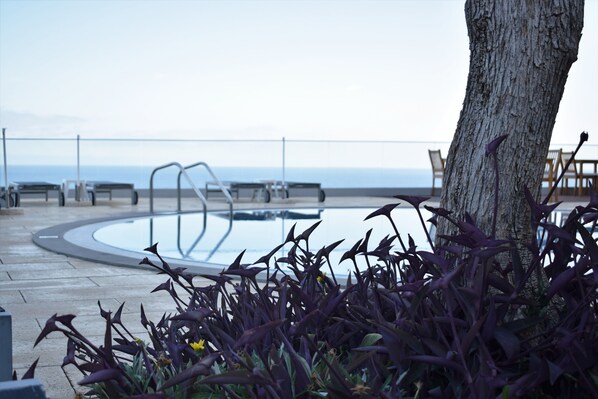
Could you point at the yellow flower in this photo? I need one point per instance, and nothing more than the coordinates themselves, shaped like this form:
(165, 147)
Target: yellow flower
(321, 278)
(198, 346)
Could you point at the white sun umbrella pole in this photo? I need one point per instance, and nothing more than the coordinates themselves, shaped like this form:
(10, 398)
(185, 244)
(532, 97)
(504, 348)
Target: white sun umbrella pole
(6, 192)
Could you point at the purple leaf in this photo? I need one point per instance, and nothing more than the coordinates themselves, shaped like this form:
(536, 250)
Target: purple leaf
(350, 254)
(305, 235)
(250, 272)
(554, 371)
(101, 376)
(193, 315)
(502, 284)
(49, 327)
(219, 279)
(415, 201)
(363, 248)
(384, 211)
(165, 286)
(557, 232)
(508, 341)
(434, 259)
(144, 321)
(436, 360)
(328, 249)
(30, 373)
(266, 258)
(493, 145)
(589, 242)
(153, 249)
(200, 368)
(66, 319)
(291, 235)
(117, 315)
(257, 333)
(146, 261)
(70, 353)
(237, 262)
(437, 211)
(560, 281)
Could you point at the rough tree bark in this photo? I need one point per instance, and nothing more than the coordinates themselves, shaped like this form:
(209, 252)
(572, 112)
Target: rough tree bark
(521, 53)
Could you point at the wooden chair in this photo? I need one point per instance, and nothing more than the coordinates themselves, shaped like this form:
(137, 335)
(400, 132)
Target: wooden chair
(570, 173)
(437, 167)
(551, 169)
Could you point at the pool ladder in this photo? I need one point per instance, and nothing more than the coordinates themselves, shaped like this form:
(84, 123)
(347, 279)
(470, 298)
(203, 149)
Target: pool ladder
(183, 172)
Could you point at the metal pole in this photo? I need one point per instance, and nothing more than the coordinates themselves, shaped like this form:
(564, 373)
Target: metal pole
(6, 192)
(283, 162)
(78, 176)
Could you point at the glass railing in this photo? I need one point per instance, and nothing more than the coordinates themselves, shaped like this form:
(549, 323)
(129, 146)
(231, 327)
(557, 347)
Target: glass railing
(333, 163)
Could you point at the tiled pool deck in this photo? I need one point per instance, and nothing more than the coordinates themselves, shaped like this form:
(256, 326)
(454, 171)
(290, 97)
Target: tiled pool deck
(35, 283)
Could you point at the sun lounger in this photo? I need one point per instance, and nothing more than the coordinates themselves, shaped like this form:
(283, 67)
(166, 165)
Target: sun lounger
(101, 187)
(36, 187)
(3, 202)
(283, 190)
(288, 186)
(259, 190)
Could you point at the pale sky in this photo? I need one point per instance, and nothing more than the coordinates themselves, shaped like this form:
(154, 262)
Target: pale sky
(389, 70)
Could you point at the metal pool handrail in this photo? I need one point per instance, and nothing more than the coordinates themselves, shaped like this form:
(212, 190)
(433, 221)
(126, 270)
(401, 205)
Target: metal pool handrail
(183, 172)
(227, 195)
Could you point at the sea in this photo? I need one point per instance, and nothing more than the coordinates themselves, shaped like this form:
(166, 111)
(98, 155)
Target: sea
(167, 178)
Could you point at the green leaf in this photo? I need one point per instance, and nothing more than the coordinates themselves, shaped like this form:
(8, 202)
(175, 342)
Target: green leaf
(370, 339)
(235, 377)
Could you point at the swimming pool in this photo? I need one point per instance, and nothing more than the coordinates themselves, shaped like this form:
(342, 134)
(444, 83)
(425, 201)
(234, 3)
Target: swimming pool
(213, 239)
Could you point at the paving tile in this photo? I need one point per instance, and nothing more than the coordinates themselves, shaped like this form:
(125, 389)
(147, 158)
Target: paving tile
(74, 376)
(45, 357)
(150, 280)
(54, 380)
(36, 266)
(9, 297)
(49, 351)
(22, 325)
(46, 309)
(41, 257)
(4, 276)
(71, 272)
(98, 269)
(45, 284)
(92, 292)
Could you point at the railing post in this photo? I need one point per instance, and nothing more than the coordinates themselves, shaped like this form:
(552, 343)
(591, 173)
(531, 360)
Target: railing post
(78, 161)
(284, 155)
(6, 185)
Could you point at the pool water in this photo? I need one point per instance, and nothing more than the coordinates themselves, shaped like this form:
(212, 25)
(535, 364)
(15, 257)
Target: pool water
(213, 238)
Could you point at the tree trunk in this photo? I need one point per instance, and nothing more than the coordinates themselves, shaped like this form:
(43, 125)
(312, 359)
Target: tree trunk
(521, 53)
